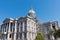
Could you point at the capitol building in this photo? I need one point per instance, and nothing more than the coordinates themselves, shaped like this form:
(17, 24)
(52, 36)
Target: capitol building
(26, 28)
(23, 28)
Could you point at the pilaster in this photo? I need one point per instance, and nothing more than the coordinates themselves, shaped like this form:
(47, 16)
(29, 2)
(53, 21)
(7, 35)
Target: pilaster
(9, 30)
(15, 29)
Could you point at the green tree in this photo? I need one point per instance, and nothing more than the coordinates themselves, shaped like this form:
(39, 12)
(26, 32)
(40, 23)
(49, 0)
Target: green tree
(39, 37)
(57, 33)
(0, 34)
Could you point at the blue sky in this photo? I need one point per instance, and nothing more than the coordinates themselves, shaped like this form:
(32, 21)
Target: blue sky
(46, 10)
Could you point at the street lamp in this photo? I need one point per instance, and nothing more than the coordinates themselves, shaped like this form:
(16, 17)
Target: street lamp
(5, 35)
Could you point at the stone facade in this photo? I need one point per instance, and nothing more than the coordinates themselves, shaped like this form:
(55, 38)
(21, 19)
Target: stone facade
(23, 28)
(46, 28)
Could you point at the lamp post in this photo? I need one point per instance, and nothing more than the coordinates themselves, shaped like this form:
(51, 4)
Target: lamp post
(5, 35)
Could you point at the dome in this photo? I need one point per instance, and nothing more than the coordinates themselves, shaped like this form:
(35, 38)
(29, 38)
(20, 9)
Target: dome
(31, 11)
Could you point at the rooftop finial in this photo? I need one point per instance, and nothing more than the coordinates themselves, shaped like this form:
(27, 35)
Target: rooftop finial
(31, 11)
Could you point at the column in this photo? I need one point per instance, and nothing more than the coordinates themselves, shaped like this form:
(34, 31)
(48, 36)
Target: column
(8, 31)
(51, 26)
(23, 26)
(15, 30)
(22, 36)
(19, 26)
(6, 27)
(28, 36)
(56, 26)
(23, 31)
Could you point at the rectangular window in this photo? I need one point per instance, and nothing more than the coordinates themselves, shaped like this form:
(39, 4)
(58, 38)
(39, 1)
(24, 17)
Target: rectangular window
(16, 36)
(5, 29)
(48, 36)
(10, 36)
(21, 28)
(25, 28)
(20, 35)
(17, 29)
(24, 35)
(11, 27)
(21, 23)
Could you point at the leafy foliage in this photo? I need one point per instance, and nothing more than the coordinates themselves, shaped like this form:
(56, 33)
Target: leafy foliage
(57, 33)
(39, 37)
